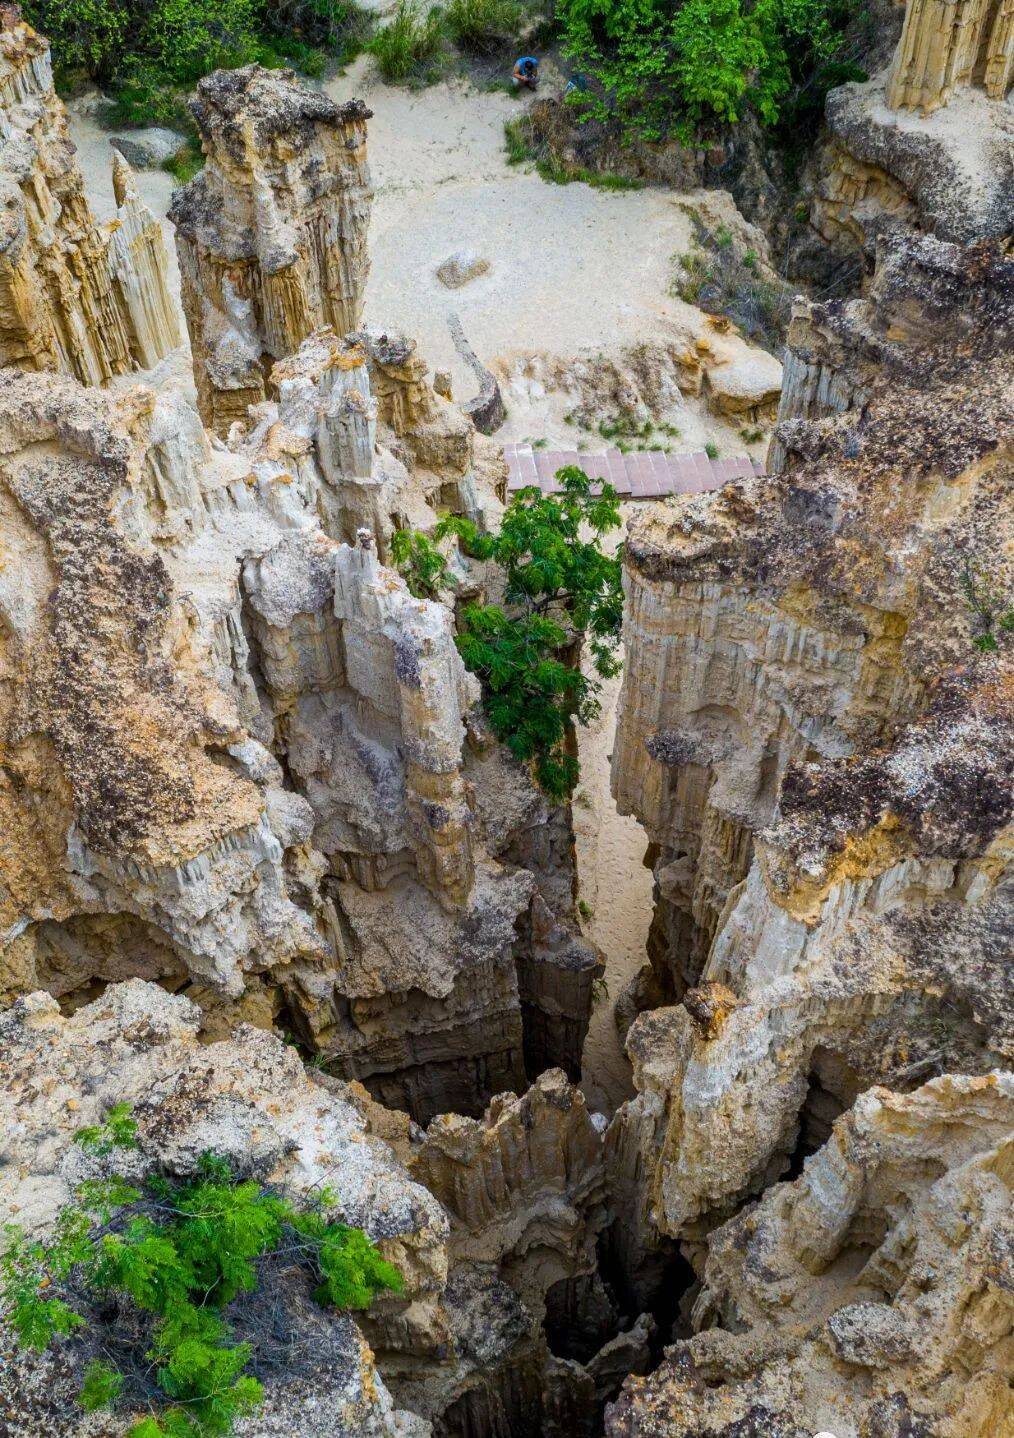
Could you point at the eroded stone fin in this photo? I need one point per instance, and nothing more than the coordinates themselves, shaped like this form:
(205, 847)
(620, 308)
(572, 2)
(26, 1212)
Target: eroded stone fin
(810, 696)
(857, 1289)
(87, 299)
(272, 233)
(946, 44)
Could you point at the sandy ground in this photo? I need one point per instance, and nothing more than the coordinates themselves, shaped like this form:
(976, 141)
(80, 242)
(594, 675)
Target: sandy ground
(572, 268)
(616, 887)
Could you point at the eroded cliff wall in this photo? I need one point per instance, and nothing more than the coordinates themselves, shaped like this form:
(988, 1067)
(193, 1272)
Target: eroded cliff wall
(235, 746)
(815, 730)
(88, 300)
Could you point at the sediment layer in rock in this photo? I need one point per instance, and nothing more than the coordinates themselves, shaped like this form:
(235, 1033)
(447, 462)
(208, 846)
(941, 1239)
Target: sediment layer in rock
(805, 716)
(88, 300)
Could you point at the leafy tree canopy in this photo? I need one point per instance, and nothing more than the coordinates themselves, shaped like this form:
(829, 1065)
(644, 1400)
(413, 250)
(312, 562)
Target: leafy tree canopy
(666, 66)
(559, 588)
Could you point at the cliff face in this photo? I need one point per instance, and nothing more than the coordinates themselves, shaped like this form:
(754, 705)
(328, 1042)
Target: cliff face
(804, 719)
(272, 232)
(84, 299)
(234, 744)
(926, 142)
(851, 1301)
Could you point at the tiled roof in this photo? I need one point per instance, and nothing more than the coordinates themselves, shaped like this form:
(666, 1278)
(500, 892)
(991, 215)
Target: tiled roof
(639, 474)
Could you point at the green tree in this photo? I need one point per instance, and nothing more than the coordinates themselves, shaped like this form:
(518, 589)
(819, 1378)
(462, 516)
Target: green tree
(667, 68)
(177, 1252)
(559, 591)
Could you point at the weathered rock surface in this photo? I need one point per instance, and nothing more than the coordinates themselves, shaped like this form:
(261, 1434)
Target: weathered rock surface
(272, 233)
(869, 1299)
(148, 149)
(926, 144)
(234, 744)
(88, 300)
(250, 1100)
(803, 720)
(944, 46)
(461, 267)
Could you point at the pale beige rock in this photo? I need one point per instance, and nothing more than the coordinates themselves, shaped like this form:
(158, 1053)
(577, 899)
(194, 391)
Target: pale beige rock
(249, 1100)
(85, 299)
(949, 43)
(926, 143)
(870, 1297)
(803, 715)
(272, 233)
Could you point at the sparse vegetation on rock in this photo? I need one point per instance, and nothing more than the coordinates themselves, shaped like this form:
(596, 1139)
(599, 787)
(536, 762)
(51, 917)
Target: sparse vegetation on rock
(143, 1271)
(558, 590)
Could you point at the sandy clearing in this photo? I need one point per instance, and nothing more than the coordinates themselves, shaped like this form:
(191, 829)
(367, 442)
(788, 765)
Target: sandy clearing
(573, 268)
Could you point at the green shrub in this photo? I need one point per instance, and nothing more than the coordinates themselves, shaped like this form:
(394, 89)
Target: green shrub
(411, 45)
(992, 616)
(666, 68)
(484, 27)
(147, 52)
(719, 279)
(184, 166)
(421, 563)
(518, 148)
(559, 590)
(149, 1273)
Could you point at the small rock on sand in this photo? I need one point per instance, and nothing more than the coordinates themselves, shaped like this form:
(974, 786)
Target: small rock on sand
(148, 149)
(462, 266)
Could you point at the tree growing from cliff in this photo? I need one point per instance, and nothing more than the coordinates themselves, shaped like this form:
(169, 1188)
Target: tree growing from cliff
(143, 1275)
(560, 590)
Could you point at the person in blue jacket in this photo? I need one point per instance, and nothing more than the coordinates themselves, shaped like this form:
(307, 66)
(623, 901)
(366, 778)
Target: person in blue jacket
(526, 72)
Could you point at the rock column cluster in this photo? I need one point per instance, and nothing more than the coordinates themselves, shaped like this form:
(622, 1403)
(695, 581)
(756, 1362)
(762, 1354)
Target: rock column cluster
(816, 731)
(75, 297)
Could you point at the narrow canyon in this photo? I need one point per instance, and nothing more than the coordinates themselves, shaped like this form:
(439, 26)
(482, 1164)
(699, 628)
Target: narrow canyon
(682, 1104)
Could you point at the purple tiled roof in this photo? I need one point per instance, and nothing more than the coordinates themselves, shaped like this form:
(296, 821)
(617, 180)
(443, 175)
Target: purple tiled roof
(639, 474)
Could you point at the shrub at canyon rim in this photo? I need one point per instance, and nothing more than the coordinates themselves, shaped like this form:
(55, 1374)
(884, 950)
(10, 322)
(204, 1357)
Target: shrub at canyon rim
(146, 52)
(143, 1275)
(558, 590)
(666, 68)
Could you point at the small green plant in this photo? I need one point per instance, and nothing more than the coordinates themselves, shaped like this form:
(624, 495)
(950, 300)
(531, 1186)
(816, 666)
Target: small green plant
(600, 990)
(176, 1254)
(584, 908)
(420, 563)
(117, 1130)
(992, 618)
(625, 426)
(711, 450)
(485, 27)
(519, 150)
(184, 166)
(751, 436)
(411, 45)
